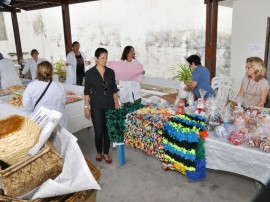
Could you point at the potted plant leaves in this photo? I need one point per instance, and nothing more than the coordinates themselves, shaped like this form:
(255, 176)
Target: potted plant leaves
(183, 74)
(59, 68)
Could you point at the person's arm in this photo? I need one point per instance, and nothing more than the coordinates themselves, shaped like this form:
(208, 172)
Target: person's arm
(26, 67)
(116, 101)
(190, 85)
(26, 100)
(115, 91)
(87, 110)
(264, 94)
(87, 87)
(241, 92)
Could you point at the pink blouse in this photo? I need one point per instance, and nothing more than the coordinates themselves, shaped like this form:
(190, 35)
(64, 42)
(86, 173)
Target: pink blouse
(252, 91)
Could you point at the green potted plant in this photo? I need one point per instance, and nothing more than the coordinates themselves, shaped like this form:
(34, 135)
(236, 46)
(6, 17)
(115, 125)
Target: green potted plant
(59, 68)
(184, 74)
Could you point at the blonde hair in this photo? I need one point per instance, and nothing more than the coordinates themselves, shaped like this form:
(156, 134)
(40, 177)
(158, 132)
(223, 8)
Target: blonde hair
(44, 71)
(258, 65)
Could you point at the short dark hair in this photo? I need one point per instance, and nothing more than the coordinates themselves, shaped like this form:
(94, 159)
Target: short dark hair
(99, 51)
(44, 71)
(194, 59)
(74, 43)
(34, 51)
(125, 52)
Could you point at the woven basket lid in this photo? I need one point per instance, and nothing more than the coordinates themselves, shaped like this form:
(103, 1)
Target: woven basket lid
(18, 135)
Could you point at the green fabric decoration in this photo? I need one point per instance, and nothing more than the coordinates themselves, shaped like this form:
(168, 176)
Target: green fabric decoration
(200, 151)
(115, 121)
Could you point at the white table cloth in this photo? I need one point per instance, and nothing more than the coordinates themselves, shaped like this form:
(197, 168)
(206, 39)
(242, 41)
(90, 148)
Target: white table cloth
(74, 111)
(243, 160)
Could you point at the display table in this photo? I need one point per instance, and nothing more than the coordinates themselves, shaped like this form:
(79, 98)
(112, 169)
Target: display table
(219, 154)
(74, 111)
(243, 160)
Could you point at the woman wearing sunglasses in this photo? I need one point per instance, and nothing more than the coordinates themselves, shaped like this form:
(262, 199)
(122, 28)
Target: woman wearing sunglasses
(100, 94)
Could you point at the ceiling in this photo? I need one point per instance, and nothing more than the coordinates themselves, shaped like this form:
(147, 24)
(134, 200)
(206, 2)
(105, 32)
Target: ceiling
(28, 5)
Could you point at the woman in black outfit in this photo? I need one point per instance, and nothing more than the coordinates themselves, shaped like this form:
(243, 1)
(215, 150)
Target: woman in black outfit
(100, 94)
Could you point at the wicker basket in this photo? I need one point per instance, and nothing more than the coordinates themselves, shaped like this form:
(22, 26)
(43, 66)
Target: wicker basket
(28, 174)
(82, 196)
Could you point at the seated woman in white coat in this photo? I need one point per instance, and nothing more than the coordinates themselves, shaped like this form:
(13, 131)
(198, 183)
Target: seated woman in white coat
(75, 65)
(8, 74)
(54, 97)
(31, 64)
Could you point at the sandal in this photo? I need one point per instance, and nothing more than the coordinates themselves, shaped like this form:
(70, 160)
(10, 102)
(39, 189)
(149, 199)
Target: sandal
(108, 159)
(99, 157)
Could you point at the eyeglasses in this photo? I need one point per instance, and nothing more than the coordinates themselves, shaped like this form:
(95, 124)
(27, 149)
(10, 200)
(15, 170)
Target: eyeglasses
(105, 87)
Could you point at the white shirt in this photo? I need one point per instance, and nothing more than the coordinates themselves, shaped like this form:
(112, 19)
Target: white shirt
(32, 65)
(130, 91)
(72, 68)
(8, 74)
(54, 98)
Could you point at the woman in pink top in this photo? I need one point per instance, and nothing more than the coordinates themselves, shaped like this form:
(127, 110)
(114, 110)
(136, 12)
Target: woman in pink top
(254, 88)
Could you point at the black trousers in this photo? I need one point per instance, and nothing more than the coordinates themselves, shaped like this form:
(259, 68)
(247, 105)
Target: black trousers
(101, 133)
(79, 80)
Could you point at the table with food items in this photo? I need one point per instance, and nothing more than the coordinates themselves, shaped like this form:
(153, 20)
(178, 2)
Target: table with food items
(187, 135)
(11, 103)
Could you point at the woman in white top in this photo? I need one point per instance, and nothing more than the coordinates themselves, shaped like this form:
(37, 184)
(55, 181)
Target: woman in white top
(32, 63)
(75, 65)
(54, 98)
(8, 74)
(130, 91)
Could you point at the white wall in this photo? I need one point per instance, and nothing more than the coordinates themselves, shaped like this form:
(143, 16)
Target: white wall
(248, 30)
(163, 32)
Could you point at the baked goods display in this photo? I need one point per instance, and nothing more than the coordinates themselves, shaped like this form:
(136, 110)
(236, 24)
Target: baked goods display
(73, 98)
(15, 88)
(4, 92)
(69, 92)
(15, 101)
(18, 135)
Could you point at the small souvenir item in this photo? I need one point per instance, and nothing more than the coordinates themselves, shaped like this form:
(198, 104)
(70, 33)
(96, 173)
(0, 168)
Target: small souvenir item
(200, 107)
(213, 121)
(265, 144)
(238, 137)
(221, 132)
(180, 107)
(254, 141)
(264, 112)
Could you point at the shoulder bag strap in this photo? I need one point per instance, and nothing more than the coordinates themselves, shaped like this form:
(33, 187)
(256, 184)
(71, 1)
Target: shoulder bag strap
(42, 94)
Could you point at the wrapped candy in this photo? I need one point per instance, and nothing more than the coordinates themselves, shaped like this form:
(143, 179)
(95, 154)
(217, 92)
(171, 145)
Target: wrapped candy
(265, 144)
(254, 141)
(223, 131)
(237, 138)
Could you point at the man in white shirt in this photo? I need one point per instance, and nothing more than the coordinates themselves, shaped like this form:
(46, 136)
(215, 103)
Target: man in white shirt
(8, 74)
(32, 63)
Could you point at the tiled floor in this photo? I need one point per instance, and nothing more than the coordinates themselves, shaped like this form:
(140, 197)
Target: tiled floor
(142, 179)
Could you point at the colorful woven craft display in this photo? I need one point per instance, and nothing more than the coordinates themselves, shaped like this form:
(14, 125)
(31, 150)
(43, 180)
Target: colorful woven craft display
(115, 121)
(144, 129)
(183, 139)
